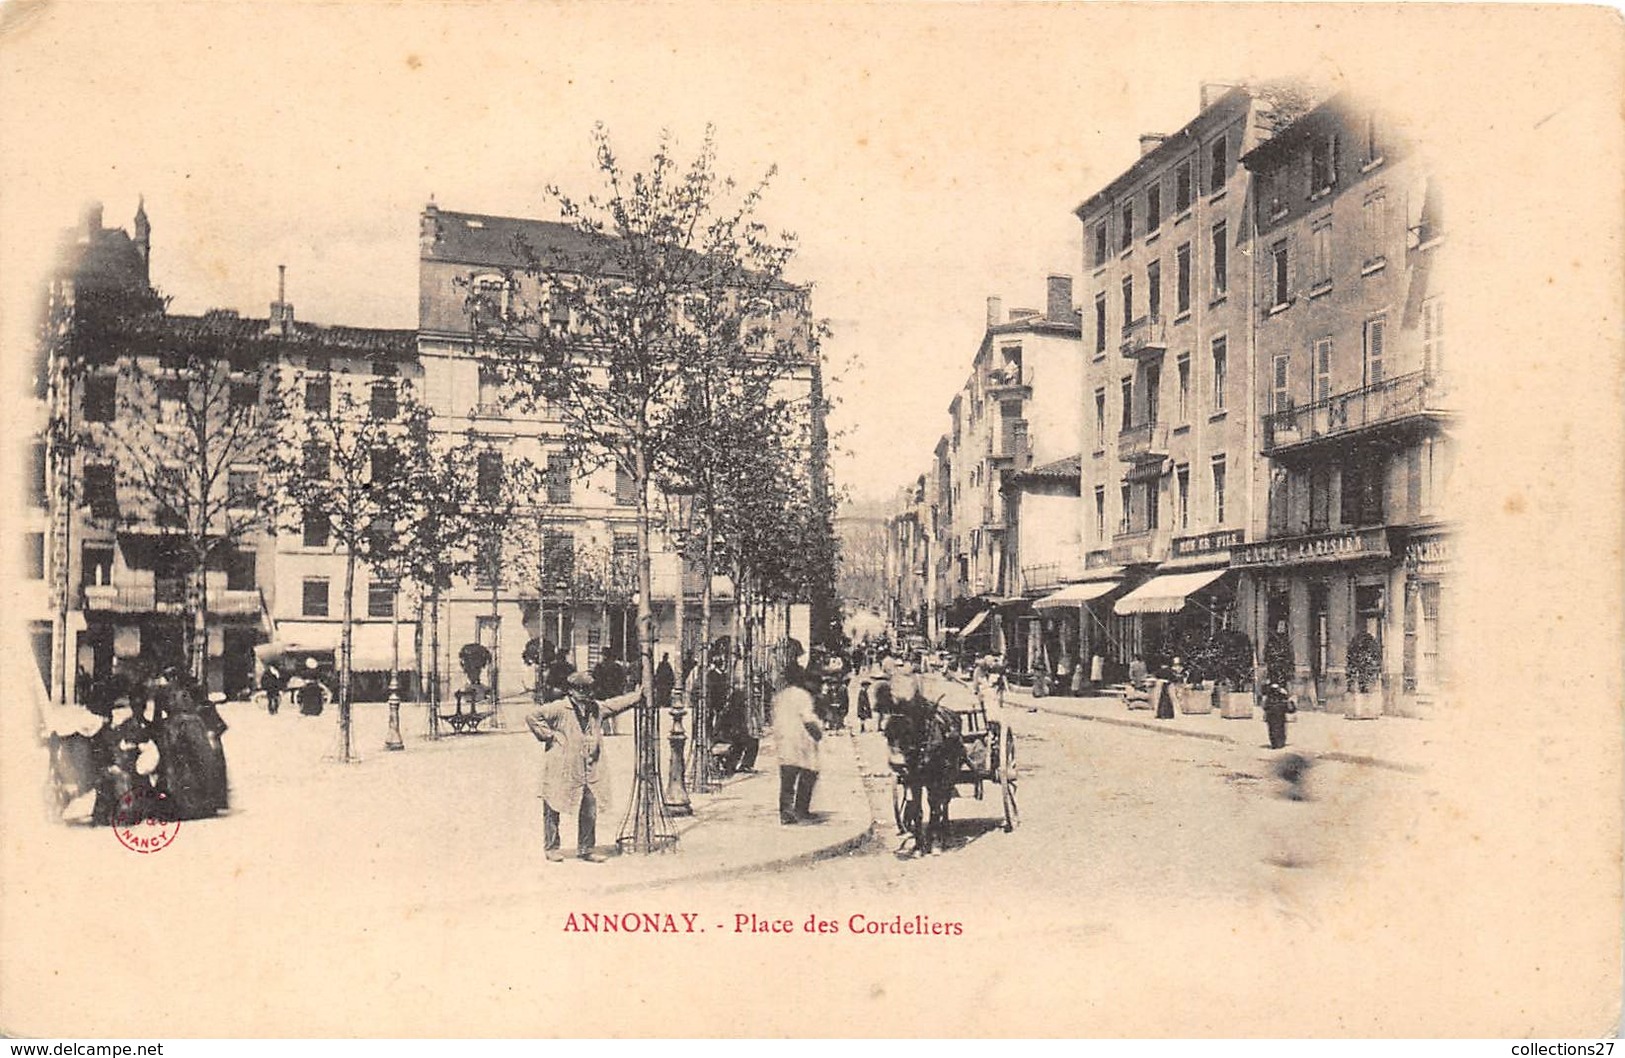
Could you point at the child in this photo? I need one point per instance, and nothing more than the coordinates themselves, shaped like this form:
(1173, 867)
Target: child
(865, 710)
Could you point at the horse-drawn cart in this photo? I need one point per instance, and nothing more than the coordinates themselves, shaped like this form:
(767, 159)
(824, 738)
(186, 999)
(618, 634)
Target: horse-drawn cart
(978, 748)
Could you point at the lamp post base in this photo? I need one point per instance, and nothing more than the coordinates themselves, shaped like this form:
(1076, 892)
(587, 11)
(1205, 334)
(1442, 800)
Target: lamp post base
(393, 740)
(676, 795)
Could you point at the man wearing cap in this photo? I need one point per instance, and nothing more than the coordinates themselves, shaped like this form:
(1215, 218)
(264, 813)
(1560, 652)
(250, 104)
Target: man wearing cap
(571, 729)
(797, 731)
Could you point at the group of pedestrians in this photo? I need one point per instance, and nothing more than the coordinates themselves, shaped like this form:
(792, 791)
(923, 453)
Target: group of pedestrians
(154, 741)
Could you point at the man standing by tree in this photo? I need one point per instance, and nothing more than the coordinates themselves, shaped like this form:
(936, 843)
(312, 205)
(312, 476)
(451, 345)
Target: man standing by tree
(572, 781)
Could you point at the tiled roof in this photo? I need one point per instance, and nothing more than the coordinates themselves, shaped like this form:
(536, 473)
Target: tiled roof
(1070, 467)
(487, 239)
(481, 238)
(257, 335)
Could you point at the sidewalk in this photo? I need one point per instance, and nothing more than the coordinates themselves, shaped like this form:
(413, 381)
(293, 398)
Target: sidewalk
(1390, 742)
(459, 818)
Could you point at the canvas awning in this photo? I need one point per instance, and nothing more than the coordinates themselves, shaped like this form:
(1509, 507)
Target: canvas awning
(371, 645)
(1167, 593)
(1075, 595)
(974, 624)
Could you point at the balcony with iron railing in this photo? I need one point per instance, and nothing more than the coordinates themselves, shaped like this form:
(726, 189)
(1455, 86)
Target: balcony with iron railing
(1145, 338)
(167, 596)
(1143, 443)
(1391, 406)
(1009, 381)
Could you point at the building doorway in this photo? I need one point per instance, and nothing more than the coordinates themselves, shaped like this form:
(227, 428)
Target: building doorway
(237, 661)
(1320, 636)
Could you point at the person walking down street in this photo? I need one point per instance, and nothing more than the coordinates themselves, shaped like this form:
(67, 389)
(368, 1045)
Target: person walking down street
(1277, 703)
(797, 731)
(665, 682)
(271, 684)
(310, 691)
(866, 711)
(572, 777)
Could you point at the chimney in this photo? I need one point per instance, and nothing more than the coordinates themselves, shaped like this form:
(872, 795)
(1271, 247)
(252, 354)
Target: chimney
(1059, 303)
(281, 321)
(1150, 141)
(92, 221)
(995, 311)
(1212, 90)
(429, 228)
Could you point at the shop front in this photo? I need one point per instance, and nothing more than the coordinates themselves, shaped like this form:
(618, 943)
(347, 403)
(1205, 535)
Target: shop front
(1074, 626)
(1428, 557)
(1178, 609)
(1331, 598)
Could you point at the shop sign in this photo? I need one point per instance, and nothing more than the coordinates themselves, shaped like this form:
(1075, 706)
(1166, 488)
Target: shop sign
(1097, 560)
(1326, 547)
(1207, 543)
(1429, 554)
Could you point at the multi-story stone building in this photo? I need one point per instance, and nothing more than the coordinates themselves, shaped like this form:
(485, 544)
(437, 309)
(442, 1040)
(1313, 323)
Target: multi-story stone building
(1015, 410)
(1352, 383)
(587, 519)
(1169, 434)
(116, 579)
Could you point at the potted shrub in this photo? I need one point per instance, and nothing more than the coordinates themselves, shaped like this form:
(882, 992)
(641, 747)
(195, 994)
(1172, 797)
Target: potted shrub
(1191, 694)
(1364, 677)
(1233, 674)
(1279, 662)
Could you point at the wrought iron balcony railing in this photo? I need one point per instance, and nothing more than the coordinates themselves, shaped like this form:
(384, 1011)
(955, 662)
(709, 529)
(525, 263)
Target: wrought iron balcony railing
(1143, 443)
(1145, 337)
(1392, 401)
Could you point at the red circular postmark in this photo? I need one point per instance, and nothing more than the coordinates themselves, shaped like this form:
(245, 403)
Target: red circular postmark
(145, 822)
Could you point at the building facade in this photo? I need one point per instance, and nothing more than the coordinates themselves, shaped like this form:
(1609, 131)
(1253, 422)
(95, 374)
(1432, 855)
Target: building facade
(585, 605)
(1169, 430)
(108, 554)
(1014, 411)
(1354, 395)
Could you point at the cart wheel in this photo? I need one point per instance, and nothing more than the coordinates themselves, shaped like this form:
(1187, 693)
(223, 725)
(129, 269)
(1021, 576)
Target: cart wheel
(1007, 779)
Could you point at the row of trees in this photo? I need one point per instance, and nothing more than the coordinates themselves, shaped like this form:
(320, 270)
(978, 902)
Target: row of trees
(674, 370)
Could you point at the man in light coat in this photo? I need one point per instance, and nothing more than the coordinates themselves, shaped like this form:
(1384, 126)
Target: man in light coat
(572, 781)
(797, 731)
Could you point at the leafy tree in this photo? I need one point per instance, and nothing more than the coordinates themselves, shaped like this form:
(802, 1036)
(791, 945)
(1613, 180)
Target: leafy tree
(671, 263)
(351, 469)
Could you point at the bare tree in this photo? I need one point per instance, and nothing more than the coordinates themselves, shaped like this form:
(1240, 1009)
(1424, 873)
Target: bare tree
(179, 423)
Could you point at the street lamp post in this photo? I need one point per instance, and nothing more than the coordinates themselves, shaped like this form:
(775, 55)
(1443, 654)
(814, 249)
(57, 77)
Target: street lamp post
(676, 794)
(394, 739)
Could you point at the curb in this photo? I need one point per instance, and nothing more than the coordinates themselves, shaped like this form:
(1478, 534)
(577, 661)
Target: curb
(846, 843)
(1210, 736)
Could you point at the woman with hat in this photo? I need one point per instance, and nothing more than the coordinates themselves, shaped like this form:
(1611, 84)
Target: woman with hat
(572, 781)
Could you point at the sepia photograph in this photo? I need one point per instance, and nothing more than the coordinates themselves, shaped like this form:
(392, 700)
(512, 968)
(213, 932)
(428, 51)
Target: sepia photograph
(811, 520)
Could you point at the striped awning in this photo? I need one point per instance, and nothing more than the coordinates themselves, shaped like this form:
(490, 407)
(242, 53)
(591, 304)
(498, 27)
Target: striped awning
(1167, 593)
(1075, 595)
(975, 623)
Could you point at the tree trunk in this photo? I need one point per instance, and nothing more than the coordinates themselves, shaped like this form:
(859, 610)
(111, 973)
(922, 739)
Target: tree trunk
(199, 633)
(434, 662)
(346, 635)
(645, 578)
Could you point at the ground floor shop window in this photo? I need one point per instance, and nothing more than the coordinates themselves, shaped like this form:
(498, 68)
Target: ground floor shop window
(1422, 636)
